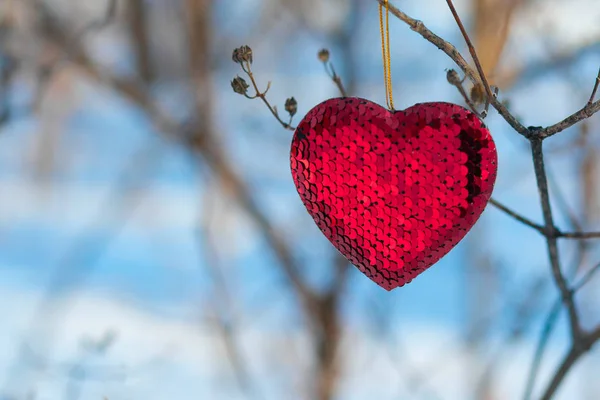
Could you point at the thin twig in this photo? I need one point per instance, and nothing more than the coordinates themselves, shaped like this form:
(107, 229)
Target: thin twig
(431, 37)
(561, 201)
(549, 327)
(455, 55)
(561, 372)
(454, 80)
(335, 78)
(586, 112)
(263, 96)
(553, 234)
(467, 99)
(566, 293)
(579, 235)
(541, 347)
(482, 76)
(586, 278)
(596, 84)
(518, 217)
(576, 351)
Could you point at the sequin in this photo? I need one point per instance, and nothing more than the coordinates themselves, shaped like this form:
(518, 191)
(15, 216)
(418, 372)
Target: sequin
(393, 191)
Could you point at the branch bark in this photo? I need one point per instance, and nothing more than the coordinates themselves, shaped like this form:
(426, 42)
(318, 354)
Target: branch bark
(552, 244)
(418, 26)
(455, 55)
(576, 351)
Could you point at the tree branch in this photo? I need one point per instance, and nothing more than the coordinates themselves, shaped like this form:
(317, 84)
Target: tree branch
(561, 372)
(517, 216)
(593, 95)
(541, 229)
(335, 78)
(548, 328)
(586, 112)
(455, 55)
(453, 78)
(550, 229)
(486, 85)
(576, 351)
(579, 235)
(263, 96)
(541, 347)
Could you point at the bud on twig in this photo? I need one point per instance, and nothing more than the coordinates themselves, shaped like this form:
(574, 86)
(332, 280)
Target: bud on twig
(478, 95)
(242, 54)
(291, 106)
(239, 85)
(453, 78)
(324, 55)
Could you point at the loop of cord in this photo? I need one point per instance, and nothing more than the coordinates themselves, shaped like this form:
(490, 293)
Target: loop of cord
(385, 53)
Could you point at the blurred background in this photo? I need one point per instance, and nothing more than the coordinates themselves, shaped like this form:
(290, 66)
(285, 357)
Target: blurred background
(152, 243)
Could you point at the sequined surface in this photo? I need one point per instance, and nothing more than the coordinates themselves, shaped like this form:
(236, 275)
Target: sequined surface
(393, 191)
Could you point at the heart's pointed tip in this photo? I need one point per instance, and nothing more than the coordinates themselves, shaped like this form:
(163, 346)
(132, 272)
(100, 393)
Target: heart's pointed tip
(389, 286)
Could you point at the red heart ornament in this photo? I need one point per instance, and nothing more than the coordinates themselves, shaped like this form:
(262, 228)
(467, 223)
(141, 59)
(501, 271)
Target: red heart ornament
(393, 191)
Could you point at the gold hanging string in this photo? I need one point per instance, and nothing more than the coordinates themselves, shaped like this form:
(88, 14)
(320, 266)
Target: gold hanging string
(385, 53)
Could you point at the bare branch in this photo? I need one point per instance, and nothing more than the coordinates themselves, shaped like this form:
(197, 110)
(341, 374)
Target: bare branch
(576, 351)
(335, 78)
(541, 347)
(593, 95)
(549, 327)
(586, 278)
(482, 76)
(453, 78)
(431, 37)
(418, 26)
(455, 55)
(561, 372)
(542, 182)
(555, 233)
(263, 96)
(586, 112)
(579, 235)
(518, 217)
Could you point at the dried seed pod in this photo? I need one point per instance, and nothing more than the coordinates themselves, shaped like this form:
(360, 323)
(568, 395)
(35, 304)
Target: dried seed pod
(239, 85)
(242, 54)
(324, 55)
(453, 77)
(291, 106)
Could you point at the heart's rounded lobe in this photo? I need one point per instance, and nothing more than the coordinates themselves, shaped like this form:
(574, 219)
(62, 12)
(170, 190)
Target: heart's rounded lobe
(393, 191)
